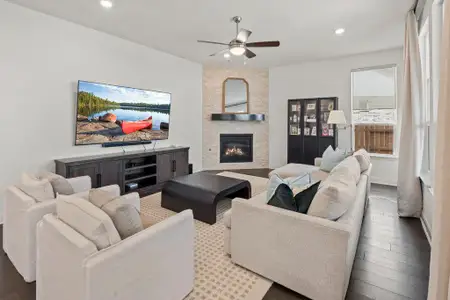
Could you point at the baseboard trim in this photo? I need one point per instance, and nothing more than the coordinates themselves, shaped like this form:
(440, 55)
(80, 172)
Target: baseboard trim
(426, 228)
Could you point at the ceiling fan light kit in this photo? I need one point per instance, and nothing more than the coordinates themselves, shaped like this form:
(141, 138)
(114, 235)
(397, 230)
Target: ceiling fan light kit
(239, 46)
(237, 50)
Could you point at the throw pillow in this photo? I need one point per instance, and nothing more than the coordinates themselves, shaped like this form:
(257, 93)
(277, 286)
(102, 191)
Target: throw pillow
(331, 158)
(304, 198)
(283, 198)
(125, 217)
(39, 189)
(88, 220)
(60, 184)
(350, 167)
(334, 197)
(100, 197)
(292, 182)
(363, 158)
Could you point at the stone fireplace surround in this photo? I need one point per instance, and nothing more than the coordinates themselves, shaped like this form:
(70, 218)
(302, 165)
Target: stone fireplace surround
(258, 79)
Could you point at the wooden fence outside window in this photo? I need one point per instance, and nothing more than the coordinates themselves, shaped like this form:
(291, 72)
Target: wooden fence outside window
(375, 138)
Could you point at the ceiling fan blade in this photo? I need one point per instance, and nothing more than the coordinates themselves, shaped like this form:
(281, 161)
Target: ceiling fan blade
(220, 52)
(264, 44)
(211, 42)
(249, 53)
(243, 35)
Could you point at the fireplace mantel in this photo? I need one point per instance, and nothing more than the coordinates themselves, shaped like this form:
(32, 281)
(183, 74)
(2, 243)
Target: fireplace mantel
(238, 117)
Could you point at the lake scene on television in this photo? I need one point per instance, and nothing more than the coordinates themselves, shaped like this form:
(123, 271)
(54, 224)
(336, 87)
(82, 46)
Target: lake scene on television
(109, 113)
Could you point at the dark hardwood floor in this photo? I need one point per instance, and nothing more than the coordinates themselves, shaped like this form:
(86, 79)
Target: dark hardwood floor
(392, 260)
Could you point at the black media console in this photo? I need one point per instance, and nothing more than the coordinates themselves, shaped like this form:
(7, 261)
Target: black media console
(142, 171)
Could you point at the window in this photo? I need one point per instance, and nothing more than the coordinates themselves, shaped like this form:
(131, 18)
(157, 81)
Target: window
(430, 40)
(425, 57)
(374, 109)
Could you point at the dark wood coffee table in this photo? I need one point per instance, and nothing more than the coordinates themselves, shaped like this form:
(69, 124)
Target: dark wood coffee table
(201, 192)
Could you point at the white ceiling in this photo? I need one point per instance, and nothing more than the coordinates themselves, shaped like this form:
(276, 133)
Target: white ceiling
(305, 28)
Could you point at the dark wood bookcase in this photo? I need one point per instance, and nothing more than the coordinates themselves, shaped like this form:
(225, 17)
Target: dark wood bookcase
(308, 132)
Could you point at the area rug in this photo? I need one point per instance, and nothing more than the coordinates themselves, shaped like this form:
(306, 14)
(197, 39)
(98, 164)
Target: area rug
(216, 277)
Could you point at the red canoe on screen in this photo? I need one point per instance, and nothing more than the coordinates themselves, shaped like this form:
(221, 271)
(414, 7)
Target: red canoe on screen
(133, 126)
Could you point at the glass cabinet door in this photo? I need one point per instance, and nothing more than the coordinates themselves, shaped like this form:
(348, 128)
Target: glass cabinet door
(309, 119)
(326, 106)
(294, 117)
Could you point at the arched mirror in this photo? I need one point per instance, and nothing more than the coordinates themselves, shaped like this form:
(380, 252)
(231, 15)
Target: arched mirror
(235, 96)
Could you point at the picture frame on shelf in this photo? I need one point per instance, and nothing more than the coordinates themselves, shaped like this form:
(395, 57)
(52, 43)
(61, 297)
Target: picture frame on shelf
(307, 131)
(294, 130)
(311, 106)
(314, 131)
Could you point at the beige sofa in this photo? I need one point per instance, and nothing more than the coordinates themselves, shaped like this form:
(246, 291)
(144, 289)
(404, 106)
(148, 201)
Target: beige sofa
(309, 255)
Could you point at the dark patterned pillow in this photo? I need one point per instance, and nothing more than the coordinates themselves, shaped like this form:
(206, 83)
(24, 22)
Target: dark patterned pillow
(304, 198)
(283, 198)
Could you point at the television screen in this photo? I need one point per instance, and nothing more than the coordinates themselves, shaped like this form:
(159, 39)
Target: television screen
(110, 113)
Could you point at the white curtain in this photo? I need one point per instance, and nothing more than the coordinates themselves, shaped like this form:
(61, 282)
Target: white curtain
(412, 132)
(440, 249)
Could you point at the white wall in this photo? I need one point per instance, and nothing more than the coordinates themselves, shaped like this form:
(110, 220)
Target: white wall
(41, 60)
(323, 79)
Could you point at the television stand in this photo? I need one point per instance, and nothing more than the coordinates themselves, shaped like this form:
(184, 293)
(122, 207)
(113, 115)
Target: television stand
(144, 172)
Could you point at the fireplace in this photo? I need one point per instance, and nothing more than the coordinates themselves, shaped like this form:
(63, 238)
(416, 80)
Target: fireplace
(236, 148)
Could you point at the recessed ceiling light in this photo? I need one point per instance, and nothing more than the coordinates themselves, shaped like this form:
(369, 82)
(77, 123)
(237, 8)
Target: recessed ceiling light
(106, 3)
(340, 31)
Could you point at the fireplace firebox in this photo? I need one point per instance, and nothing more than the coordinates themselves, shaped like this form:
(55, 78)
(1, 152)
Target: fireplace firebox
(236, 148)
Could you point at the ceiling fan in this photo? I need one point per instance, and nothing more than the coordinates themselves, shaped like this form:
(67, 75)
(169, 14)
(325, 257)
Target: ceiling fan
(239, 46)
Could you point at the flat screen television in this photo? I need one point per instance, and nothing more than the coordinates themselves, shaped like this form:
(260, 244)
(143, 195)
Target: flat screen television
(109, 113)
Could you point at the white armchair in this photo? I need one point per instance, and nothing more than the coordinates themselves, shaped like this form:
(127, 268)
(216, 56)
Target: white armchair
(21, 215)
(156, 263)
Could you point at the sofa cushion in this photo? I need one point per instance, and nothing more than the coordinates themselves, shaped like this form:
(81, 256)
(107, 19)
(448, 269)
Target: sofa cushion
(334, 197)
(293, 170)
(304, 199)
(331, 158)
(60, 184)
(319, 175)
(100, 197)
(88, 220)
(39, 189)
(363, 158)
(349, 167)
(258, 184)
(283, 198)
(125, 217)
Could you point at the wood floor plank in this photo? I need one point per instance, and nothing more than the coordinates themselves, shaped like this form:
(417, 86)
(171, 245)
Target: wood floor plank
(401, 285)
(374, 292)
(393, 274)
